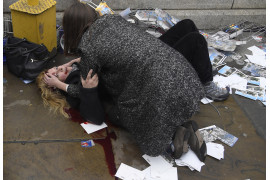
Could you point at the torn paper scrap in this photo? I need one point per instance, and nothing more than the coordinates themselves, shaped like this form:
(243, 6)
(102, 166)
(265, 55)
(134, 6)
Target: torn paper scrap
(247, 94)
(90, 128)
(88, 143)
(257, 59)
(226, 70)
(213, 132)
(254, 80)
(206, 134)
(126, 172)
(190, 159)
(224, 136)
(236, 81)
(256, 51)
(206, 100)
(158, 164)
(170, 174)
(215, 150)
(262, 82)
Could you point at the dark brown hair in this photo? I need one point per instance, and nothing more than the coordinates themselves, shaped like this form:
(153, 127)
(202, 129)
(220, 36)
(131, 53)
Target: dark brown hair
(77, 18)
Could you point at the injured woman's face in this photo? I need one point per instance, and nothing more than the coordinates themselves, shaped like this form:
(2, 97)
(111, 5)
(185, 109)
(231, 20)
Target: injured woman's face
(61, 72)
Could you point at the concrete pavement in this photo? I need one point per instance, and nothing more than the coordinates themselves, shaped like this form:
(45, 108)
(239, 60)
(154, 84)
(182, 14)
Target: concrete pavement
(41, 145)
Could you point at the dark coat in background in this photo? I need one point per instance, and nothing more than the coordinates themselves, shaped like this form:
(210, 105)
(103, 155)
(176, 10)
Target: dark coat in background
(153, 87)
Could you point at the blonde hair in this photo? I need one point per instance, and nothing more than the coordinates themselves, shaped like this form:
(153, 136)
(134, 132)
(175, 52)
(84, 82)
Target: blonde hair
(52, 97)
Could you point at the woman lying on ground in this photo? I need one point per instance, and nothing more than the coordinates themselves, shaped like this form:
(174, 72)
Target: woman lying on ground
(62, 87)
(155, 84)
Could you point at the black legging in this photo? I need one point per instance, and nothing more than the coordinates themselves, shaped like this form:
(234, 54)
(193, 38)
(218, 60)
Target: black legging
(185, 38)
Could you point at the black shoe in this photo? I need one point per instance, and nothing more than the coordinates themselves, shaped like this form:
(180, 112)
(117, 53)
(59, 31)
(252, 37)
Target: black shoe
(196, 142)
(180, 142)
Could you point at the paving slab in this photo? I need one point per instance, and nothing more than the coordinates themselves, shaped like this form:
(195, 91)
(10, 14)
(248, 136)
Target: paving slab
(249, 4)
(174, 4)
(26, 119)
(42, 156)
(245, 160)
(45, 161)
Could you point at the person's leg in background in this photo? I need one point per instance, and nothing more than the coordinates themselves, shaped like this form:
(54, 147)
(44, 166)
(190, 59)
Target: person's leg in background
(185, 38)
(178, 31)
(193, 47)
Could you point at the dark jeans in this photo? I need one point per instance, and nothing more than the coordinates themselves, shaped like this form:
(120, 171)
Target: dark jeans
(185, 38)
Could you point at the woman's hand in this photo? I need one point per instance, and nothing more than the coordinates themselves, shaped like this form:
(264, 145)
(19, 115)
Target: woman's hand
(90, 82)
(72, 61)
(76, 60)
(51, 80)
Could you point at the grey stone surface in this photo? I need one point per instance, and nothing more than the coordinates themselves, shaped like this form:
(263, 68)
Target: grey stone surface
(207, 14)
(174, 4)
(210, 19)
(214, 19)
(249, 4)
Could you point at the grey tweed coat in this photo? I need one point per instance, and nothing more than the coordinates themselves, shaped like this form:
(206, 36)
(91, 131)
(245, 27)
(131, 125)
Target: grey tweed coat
(154, 88)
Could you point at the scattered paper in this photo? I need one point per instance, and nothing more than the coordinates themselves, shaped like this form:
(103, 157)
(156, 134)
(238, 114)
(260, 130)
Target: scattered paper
(27, 81)
(126, 172)
(257, 59)
(206, 100)
(158, 164)
(257, 38)
(170, 174)
(248, 94)
(90, 128)
(226, 70)
(125, 13)
(215, 150)
(224, 136)
(206, 134)
(255, 70)
(191, 160)
(88, 143)
(256, 51)
(213, 132)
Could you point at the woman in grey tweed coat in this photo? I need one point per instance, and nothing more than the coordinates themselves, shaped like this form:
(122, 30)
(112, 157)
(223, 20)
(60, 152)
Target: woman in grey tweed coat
(154, 89)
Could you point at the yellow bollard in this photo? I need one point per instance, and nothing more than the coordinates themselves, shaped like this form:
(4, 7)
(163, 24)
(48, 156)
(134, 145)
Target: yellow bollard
(35, 20)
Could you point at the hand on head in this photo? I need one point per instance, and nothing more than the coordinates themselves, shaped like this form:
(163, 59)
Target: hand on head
(90, 82)
(51, 80)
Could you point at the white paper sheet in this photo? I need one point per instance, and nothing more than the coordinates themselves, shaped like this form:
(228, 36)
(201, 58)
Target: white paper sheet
(257, 59)
(191, 160)
(215, 150)
(90, 128)
(262, 82)
(158, 164)
(256, 51)
(170, 174)
(232, 81)
(206, 100)
(126, 172)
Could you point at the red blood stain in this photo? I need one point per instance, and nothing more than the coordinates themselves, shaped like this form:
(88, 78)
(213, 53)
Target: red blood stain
(68, 169)
(105, 143)
(75, 115)
(107, 147)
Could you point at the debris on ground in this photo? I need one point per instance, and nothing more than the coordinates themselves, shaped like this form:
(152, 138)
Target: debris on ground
(159, 169)
(234, 70)
(88, 143)
(90, 128)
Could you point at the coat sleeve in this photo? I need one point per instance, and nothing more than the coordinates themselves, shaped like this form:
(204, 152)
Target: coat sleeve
(91, 108)
(73, 90)
(87, 52)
